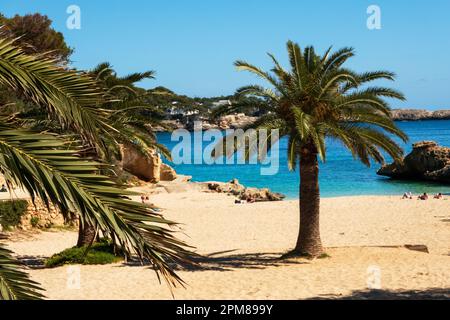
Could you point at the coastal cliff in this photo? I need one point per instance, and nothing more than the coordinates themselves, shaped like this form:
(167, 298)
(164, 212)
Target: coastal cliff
(415, 114)
(427, 161)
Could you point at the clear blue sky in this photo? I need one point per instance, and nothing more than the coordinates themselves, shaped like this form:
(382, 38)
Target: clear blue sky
(192, 44)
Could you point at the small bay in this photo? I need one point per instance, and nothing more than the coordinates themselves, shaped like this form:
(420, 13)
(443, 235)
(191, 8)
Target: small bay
(340, 175)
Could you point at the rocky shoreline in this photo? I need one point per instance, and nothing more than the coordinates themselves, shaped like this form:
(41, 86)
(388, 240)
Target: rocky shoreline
(417, 115)
(427, 161)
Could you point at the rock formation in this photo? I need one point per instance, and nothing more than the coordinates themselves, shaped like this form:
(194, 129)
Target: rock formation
(235, 188)
(167, 173)
(235, 121)
(38, 216)
(147, 168)
(427, 161)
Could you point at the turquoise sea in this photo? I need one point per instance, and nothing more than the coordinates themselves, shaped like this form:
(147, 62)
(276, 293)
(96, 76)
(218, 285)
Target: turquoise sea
(340, 175)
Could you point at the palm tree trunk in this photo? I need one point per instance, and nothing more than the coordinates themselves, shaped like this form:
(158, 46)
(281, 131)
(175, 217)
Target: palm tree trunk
(86, 234)
(308, 242)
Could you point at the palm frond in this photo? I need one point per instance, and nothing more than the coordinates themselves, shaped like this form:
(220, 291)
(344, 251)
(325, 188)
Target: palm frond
(15, 284)
(69, 96)
(47, 168)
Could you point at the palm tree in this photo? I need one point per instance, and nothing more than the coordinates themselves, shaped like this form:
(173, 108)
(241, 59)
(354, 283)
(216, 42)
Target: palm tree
(131, 114)
(317, 98)
(49, 167)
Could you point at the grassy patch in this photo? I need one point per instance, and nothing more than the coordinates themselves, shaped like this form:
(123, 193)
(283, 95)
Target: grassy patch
(65, 227)
(11, 212)
(99, 253)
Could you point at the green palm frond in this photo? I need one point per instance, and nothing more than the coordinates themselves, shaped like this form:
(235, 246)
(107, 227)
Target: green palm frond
(48, 168)
(258, 91)
(129, 113)
(320, 98)
(15, 284)
(233, 143)
(69, 96)
(138, 76)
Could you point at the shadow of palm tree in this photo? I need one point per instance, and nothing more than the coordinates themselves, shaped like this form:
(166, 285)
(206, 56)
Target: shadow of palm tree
(224, 261)
(34, 262)
(424, 294)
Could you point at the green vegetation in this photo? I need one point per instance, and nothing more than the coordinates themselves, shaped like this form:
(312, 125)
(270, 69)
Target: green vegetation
(34, 221)
(318, 98)
(99, 253)
(37, 35)
(11, 212)
(59, 159)
(14, 282)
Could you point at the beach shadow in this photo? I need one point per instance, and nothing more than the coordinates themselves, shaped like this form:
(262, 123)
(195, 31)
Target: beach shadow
(224, 261)
(218, 261)
(33, 262)
(425, 294)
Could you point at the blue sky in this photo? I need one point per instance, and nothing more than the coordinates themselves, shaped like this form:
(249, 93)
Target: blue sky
(192, 44)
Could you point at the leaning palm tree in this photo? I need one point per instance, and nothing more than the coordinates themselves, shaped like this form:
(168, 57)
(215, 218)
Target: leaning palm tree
(50, 167)
(315, 99)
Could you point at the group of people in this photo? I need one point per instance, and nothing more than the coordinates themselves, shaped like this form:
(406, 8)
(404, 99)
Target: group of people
(424, 196)
(144, 198)
(249, 199)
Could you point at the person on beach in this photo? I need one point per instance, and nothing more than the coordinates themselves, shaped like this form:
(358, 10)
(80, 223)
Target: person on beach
(143, 198)
(438, 196)
(423, 197)
(251, 199)
(407, 195)
(3, 189)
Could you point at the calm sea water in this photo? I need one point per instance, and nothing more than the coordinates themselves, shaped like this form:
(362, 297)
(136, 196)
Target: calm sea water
(341, 175)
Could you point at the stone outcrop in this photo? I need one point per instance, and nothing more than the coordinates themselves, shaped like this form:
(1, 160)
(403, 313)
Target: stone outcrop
(414, 114)
(235, 121)
(38, 216)
(147, 168)
(236, 189)
(167, 173)
(427, 161)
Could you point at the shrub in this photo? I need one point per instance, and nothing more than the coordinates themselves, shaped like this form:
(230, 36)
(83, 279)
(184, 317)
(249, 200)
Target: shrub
(34, 221)
(11, 212)
(99, 253)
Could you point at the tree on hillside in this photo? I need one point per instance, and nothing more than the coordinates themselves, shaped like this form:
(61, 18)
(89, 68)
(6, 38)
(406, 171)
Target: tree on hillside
(35, 35)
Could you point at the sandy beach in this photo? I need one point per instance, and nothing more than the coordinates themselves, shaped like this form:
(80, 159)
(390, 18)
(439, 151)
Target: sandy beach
(364, 236)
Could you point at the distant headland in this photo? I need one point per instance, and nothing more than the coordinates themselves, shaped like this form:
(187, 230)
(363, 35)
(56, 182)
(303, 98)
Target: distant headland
(416, 114)
(240, 120)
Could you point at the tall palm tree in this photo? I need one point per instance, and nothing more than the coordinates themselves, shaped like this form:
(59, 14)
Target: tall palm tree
(315, 99)
(49, 167)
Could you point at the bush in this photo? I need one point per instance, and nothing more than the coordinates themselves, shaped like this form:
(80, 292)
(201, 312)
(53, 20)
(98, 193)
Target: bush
(34, 221)
(11, 212)
(99, 253)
